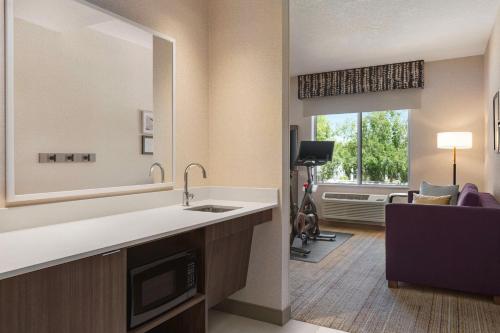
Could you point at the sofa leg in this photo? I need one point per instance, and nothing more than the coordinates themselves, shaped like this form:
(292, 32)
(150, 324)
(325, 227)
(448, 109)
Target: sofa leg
(392, 284)
(496, 300)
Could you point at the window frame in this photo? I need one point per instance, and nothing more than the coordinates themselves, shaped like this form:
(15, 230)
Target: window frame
(359, 171)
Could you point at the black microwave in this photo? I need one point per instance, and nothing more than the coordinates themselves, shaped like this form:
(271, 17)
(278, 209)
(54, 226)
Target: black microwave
(159, 286)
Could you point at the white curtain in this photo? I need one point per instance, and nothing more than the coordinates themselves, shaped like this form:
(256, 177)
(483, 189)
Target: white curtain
(378, 101)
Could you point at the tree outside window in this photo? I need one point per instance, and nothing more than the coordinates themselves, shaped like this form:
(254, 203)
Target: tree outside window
(383, 151)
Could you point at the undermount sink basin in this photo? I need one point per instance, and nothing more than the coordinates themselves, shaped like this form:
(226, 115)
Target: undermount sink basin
(213, 209)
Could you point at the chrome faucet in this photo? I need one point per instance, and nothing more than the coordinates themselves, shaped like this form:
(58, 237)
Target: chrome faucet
(186, 196)
(156, 164)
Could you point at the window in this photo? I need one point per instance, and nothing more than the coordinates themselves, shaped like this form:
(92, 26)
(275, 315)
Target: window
(370, 147)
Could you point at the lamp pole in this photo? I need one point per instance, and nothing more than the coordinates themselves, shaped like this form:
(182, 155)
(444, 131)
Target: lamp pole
(454, 140)
(454, 165)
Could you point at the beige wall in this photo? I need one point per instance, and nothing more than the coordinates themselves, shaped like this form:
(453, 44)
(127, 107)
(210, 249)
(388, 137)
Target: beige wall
(247, 104)
(246, 125)
(57, 110)
(451, 101)
(163, 104)
(187, 22)
(246, 109)
(491, 86)
(2, 102)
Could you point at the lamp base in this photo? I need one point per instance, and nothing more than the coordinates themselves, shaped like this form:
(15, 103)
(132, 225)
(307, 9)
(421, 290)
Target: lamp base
(454, 174)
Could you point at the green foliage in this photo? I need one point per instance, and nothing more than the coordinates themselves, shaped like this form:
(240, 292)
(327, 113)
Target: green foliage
(324, 131)
(384, 149)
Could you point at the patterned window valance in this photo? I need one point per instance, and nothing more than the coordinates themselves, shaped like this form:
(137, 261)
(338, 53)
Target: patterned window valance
(362, 80)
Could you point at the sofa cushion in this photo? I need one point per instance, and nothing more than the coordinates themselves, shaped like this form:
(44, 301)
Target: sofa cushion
(488, 201)
(431, 200)
(437, 191)
(469, 196)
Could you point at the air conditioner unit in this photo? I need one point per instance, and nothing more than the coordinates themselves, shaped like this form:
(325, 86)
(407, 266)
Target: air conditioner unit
(354, 207)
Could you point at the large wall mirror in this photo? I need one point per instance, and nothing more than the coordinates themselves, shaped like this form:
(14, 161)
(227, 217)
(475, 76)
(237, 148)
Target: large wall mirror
(90, 102)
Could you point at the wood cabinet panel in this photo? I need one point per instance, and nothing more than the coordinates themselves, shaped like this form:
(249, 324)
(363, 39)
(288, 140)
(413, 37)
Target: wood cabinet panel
(228, 246)
(192, 320)
(83, 296)
(224, 229)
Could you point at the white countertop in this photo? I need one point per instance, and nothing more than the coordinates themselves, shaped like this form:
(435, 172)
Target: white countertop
(31, 249)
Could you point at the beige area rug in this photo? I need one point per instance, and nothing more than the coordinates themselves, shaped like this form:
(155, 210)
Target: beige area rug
(348, 291)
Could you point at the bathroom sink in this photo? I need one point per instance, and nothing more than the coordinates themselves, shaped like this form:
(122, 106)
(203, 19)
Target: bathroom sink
(213, 209)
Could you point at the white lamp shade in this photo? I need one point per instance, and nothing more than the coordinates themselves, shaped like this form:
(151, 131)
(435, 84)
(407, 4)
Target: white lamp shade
(458, 140)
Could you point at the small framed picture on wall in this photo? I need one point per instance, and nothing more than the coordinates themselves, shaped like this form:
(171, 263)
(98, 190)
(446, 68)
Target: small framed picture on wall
(496, 122)
(147, 122)
(147, 145)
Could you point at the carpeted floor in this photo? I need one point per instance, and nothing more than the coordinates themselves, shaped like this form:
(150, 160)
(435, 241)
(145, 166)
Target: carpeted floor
(347, 291)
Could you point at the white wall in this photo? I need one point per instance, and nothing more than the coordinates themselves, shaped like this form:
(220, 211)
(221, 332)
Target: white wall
(451, 101)
(491, 86)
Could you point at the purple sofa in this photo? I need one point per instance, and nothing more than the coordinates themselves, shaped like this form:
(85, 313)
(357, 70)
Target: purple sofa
(451, 247)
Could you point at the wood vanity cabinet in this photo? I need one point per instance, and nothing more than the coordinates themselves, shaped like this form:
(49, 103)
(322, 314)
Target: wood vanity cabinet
(83, 296)
(228, 246)
(90, 295)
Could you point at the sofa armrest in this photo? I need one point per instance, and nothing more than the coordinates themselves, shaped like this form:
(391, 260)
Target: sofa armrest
(410, 195)
(444, 246)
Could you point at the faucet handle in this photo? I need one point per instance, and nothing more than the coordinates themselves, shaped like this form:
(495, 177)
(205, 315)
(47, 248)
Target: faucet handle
(191, 195)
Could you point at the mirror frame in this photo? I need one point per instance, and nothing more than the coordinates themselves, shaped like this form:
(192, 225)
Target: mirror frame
(13, 199)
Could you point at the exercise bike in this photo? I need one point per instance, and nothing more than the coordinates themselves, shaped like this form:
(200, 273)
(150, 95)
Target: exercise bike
(305, 220)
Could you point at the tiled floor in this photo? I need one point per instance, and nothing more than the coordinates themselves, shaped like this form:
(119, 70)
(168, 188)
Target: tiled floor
(219, 322)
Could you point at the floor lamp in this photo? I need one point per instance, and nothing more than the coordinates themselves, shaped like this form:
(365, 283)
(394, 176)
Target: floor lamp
(454, 140)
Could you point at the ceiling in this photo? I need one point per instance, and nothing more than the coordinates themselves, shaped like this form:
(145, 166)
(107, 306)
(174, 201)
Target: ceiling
(340, 34)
